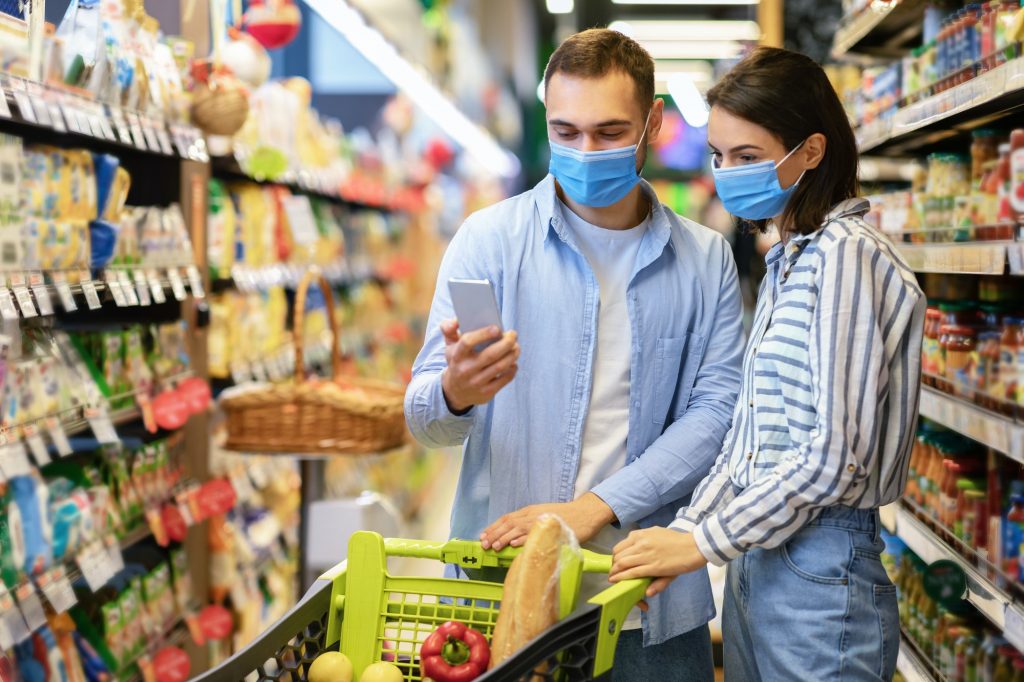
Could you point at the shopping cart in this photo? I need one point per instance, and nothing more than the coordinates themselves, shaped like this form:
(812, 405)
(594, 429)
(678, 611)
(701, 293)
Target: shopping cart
(375, 616)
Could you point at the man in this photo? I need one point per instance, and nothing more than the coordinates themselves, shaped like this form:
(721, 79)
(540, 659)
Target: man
(610, 400)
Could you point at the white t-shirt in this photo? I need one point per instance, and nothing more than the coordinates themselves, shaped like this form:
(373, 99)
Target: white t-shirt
(612, 256)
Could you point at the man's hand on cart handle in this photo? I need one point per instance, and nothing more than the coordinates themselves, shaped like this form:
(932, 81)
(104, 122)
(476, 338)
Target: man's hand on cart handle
(586, 516)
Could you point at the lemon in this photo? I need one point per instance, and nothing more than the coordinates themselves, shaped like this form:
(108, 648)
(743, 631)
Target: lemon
(331, 666)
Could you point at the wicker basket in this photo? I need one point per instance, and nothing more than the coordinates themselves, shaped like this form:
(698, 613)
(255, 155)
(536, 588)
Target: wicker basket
(346, 416)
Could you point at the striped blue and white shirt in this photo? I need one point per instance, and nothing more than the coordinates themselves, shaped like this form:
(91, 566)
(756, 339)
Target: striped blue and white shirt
(828, 408)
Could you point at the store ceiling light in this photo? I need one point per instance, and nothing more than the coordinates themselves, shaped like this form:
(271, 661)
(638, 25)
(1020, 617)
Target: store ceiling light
(692, 49)
(688, 99)
(647, 30)
(685, 2)
(560, 6)
(416, 86)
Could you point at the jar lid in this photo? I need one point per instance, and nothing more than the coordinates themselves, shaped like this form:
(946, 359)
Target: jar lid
(975, 494)
(969, 485)
(958, 330)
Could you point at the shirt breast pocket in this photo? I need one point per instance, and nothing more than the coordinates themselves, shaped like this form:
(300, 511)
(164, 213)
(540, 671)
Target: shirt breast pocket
(677, 360)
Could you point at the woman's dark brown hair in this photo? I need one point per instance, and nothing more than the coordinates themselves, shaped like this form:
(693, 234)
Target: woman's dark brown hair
(789, 94)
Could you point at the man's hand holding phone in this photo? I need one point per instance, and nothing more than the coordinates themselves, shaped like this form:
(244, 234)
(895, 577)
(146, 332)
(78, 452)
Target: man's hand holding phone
(474, 377)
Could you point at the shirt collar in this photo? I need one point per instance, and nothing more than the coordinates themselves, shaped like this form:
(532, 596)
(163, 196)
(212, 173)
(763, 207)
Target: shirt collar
(856, 206)
(546, 197)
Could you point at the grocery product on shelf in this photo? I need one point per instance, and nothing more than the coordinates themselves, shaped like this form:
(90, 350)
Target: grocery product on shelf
(958, 197)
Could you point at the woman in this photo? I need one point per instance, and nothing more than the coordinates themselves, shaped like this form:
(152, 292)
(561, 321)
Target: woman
(822, 434)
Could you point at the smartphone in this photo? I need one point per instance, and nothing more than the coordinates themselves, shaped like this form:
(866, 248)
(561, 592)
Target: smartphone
(475, 306)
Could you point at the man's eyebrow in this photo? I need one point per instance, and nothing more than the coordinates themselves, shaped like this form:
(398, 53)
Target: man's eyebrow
(602, 124)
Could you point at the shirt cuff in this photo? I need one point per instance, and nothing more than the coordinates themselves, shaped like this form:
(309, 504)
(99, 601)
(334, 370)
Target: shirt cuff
(713, 543)
(439, 405)
(682, 525)
(628, 492)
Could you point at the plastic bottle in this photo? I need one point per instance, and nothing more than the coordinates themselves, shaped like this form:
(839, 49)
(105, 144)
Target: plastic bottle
(1013, 534)
(1009, 360)
(1017, 171)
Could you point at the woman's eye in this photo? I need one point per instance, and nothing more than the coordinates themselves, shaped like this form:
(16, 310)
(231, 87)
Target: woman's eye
(716, 159)
(747, 158)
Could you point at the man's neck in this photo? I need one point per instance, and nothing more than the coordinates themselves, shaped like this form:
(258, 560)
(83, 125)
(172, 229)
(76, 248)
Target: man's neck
(624, 214)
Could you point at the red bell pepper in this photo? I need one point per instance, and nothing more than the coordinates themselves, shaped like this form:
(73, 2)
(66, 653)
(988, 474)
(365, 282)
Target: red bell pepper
(454, 653)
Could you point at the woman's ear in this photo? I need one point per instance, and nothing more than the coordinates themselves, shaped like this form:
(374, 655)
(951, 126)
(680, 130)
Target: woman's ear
(814, 150)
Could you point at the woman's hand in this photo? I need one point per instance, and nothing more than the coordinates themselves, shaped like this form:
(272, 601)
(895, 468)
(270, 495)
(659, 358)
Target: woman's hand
(659, 553)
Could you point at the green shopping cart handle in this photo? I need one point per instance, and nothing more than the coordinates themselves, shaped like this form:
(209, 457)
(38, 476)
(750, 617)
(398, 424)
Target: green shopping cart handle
(469, 554)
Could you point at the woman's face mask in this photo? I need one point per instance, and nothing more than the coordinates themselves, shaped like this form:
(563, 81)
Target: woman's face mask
(753, 192)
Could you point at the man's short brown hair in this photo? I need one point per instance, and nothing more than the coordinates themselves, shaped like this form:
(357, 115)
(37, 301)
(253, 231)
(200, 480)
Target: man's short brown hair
(598, 51)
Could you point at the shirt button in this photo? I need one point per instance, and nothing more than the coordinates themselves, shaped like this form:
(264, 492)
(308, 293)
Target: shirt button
(750, 456)
(851, 468)
(751, 403)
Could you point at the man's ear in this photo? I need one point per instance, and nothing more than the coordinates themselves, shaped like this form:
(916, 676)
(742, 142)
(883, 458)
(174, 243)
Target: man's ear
(657, 118)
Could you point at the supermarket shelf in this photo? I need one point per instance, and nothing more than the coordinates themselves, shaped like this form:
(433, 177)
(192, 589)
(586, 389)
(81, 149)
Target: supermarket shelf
(910, 665)
(257, 279)
(228, 168)
(988, 97)
(881, 28)
(974, 258)
(990, 600)
(988, 428)
(36, 110)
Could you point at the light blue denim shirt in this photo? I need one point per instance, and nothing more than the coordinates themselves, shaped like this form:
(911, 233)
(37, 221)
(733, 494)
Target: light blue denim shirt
(524, 446)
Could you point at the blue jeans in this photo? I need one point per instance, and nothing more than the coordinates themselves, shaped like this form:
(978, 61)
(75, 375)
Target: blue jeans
(820, 607)
(686, 658)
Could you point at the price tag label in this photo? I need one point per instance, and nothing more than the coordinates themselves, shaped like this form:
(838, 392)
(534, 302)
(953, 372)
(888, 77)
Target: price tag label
(7, 309)
(14, 460)
(5, 108)
(152, 141)
(116, 290)
(156, 288)
(7, 641)
(179, 141)
(138, 137)
(24, 298)
(95, 125)
(195, 282)
(128, 288)
(58, 591)
(67, 299)
(177, 284)
(108, 130)
(92, 563)
(1013, 625)
(36, 445)
(42, 111)
(11, 618)
(25, 106)
(31, 606)
(124, 133)
(92, 297)
(58, 436)
(115, 557)
(56, 117)
(42, 294)
(71, 116)
(164, 139)
(102, 427)
(141, 288)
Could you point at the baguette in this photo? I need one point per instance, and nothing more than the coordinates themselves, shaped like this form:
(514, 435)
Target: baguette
(529, 600)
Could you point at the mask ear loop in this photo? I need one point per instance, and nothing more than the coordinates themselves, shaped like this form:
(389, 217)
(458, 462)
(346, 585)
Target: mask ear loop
(640, 171)
(786, 157)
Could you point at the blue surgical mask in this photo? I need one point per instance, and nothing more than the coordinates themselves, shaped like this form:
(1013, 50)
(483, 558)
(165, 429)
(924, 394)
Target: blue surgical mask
(753, 192)
(598, 178)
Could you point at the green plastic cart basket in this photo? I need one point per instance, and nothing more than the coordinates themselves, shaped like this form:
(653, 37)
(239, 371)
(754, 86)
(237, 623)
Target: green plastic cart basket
(370, 615)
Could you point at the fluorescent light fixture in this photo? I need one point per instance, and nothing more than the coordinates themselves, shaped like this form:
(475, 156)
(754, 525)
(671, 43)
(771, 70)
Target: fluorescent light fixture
(692, 49)
(560, 6)
(685, 2)
(416, 85)
(644, 30)
(689, 100)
